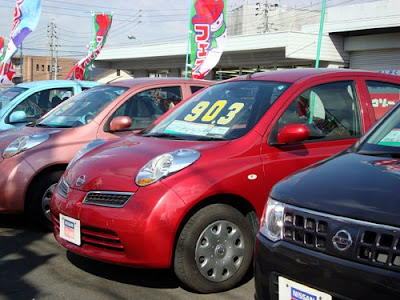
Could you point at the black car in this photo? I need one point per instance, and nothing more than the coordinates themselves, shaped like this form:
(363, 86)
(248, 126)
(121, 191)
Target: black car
(332, 231)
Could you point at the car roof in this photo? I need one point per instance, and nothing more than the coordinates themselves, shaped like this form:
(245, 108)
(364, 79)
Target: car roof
(33, 84)
(293, 75)
(159, 80)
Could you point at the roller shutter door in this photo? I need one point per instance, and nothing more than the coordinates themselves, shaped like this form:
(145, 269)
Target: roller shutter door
(376, 60)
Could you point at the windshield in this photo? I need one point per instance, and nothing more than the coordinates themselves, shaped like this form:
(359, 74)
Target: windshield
(385, 139)
(224, 111)
(82, 108)
(9, 94)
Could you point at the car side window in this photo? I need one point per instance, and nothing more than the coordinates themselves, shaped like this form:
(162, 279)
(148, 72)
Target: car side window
(41, 102)
(383, 95)
(145, 107)
(194, 88)
(329, 110)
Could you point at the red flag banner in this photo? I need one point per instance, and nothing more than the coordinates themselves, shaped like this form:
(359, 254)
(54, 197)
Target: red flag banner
(208, 33)
(102, 24)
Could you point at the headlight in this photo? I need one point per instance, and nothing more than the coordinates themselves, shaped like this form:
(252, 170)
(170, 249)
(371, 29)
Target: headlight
(24, 143)
(272, 224)
(88, 147)
(166, 164)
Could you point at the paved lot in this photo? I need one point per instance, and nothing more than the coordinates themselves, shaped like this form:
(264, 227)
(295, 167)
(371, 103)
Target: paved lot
(34, 266)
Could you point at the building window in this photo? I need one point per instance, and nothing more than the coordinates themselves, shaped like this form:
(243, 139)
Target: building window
(48, 68)
(37, 67)
(42, 68)
(118, 72)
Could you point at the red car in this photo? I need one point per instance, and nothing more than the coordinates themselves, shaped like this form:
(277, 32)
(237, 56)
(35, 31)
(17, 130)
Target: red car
(188, 191)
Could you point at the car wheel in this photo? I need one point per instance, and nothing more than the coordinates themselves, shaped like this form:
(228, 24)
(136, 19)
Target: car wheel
(214, 250)
(38, 205)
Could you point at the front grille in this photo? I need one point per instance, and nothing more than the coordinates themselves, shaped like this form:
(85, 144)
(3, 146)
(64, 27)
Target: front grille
(110, 199)
(368, 243)
(307, 231)
(63, 188)
(380, 249)
(101, 238)
(94, 237)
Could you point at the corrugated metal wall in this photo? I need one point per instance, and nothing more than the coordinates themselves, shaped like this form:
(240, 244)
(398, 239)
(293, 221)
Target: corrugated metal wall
(376, 60)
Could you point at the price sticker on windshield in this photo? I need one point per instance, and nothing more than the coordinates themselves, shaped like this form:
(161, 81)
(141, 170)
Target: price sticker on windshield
(391, 139)
(206, 112)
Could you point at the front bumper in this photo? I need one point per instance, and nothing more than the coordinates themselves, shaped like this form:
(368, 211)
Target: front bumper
(140, 234)
(342, 279)
(16, 175)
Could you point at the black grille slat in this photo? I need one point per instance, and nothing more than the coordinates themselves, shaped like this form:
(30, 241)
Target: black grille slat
(110, 199)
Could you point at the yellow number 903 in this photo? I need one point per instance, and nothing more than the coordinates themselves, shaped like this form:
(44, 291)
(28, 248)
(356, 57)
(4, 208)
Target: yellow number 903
(214, 111)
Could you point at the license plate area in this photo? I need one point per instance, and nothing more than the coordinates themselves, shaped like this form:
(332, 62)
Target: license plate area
(70, 229)
(291, 290)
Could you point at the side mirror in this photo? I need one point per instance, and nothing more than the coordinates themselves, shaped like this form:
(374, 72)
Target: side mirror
(120, 123)
(18, 116)
(293, 133)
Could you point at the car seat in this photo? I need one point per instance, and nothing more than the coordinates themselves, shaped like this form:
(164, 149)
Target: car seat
(55, 101)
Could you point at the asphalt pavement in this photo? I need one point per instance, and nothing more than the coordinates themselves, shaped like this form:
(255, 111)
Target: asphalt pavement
(34, 266)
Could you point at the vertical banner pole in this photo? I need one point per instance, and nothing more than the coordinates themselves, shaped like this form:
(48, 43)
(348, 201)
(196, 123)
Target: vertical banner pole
(21, 65)
(321, 29)
(188, 39)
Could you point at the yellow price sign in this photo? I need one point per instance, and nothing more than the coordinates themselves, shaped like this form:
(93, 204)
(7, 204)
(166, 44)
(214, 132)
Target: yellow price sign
(213, 112)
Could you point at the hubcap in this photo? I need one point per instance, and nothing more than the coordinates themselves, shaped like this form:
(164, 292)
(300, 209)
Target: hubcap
(219, 251)
(46, 201)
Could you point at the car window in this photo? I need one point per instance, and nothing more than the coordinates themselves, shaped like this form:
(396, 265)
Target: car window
(82, 108)
(383, 95)
(329, 110)
(385, 139)
(41, 102)
(9, 94)
(194, 88)
(223, 111)
(145, 107)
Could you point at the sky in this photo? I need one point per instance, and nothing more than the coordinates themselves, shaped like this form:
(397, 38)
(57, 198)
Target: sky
(145, 21)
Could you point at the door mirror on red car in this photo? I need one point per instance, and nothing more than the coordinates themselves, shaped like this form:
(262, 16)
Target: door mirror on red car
(293, 133)
(120, 123)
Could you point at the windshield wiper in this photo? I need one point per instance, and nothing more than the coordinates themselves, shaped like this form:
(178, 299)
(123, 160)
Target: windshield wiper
(42, 125)
(379, 153)
(164, 135)
(210, 138)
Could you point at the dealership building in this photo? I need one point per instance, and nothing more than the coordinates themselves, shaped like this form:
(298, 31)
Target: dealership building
(269, 37)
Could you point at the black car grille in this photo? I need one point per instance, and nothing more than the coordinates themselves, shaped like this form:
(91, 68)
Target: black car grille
(110, 199)
(367, 243)
(380, 249)
(309, 232)
(63, 188)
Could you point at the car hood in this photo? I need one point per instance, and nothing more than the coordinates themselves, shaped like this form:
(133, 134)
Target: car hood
(351, 185)
(114, 165)
(8, 136)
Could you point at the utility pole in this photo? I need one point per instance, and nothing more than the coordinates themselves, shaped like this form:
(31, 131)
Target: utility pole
(263, 9)
(53, 48)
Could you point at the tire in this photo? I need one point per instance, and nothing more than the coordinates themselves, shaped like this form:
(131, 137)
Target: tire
(38, 200)
(214, 250)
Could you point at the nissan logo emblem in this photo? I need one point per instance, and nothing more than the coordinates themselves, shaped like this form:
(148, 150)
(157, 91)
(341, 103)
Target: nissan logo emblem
(342, 240)
(80, 181)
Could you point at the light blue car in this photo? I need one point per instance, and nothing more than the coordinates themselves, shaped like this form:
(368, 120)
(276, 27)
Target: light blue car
(26, 102)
